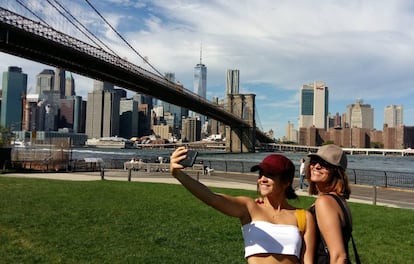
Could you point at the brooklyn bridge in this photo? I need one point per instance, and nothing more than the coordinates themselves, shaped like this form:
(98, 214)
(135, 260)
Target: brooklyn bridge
(37, 41)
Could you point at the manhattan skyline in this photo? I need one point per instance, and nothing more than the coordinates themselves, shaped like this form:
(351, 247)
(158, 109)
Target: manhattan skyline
(361, 50)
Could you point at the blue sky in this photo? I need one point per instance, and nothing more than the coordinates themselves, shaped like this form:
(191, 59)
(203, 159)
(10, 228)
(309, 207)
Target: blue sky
(361, 49)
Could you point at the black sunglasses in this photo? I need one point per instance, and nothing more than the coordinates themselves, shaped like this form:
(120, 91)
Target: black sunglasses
(261, 173)
(322, 163)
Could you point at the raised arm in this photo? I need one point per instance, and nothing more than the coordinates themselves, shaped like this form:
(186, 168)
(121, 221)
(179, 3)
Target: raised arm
(229, 205)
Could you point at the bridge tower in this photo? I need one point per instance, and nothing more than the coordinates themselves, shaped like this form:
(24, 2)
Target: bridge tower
(241, 139)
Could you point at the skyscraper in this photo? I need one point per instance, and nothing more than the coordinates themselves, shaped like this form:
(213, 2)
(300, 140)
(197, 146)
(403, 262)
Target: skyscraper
(177, 112)
(314, 105)
(69, 85)
(60, 81)
(232, 81)
(200, 79)
(45, 81)
(200, 82)
(359, 115)
(14, 90)
(393, 115)
(102, 115)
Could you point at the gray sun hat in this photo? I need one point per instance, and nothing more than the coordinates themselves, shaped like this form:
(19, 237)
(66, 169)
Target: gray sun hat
(332, 154)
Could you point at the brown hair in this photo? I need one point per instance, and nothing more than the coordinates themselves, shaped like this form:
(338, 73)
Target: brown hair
(339, 175)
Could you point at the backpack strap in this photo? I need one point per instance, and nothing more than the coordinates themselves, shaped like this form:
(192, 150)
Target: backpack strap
(301, 219)
(347, 222)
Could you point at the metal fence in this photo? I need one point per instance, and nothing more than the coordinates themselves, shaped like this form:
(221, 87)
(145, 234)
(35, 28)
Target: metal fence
(388, 179)
(391, 179)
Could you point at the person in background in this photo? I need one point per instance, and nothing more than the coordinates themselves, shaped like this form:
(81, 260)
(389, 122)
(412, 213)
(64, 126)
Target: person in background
(326, 172)
(302, 174)
(274, 231)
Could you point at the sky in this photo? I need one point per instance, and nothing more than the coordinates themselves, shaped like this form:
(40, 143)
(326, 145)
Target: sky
(360, 49)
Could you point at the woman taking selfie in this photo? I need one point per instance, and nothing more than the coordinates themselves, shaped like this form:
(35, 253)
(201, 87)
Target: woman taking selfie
(273, 230)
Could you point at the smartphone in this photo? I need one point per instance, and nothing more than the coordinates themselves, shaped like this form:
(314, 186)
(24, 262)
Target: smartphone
(190, 158)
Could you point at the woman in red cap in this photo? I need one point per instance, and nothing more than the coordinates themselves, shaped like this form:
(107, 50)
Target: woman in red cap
(326, 172)
(273, 230)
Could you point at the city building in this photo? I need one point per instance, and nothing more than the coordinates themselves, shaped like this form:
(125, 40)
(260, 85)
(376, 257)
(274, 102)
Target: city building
(200, 83)
(191, 129)
(60, 81)
(162, 131)
(31, 112)
(69, 85)
(72, 114)
(314, 105)
(393, 115)
(174, 112)
(359, 115)
(14, 85)
(291, 133)
(145, 106)
(128, 117)
(232, 81)
(102, 115)
(215, 127)
(45, 81)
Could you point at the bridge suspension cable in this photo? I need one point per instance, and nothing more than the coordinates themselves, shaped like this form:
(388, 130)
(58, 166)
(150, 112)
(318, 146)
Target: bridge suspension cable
(123, 39)
(70, 21)
(83, 26)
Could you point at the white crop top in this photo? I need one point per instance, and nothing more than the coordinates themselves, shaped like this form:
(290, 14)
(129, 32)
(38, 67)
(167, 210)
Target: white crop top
(264, 237)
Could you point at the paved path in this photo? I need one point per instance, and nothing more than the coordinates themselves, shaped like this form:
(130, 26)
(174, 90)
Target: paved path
(362, 194)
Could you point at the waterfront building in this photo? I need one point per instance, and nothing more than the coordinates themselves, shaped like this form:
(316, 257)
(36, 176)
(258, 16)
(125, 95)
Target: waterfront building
(31, 112)
(393, 115)
(102, 115)
(128, 117)
(72, 114)
(49, 87)
(191, 129)
(401, 137)
(13, 93)
(359, 115)
(314, 105)
(162, 131)
(232, 81)
(49, 110)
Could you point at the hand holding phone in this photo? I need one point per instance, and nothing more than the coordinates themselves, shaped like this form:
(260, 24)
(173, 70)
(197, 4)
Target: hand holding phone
(189, 159)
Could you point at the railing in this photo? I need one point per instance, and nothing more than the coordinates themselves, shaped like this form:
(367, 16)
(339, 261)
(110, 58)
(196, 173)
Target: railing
(388, 179)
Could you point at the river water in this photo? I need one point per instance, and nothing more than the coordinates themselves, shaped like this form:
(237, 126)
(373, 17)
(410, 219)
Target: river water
(362, 162)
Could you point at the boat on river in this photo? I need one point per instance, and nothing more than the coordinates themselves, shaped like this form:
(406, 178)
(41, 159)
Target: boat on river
(110, 142)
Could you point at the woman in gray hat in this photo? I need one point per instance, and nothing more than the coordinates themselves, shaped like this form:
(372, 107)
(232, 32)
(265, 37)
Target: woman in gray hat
(274, 231)
(326, 172)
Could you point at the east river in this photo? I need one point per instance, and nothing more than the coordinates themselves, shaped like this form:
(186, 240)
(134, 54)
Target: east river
(363, 162)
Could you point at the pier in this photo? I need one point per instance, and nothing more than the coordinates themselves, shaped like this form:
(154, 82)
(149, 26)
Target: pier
(351, 151)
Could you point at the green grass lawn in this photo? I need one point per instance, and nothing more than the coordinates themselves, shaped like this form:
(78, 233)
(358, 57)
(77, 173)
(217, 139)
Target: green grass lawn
(51, 221)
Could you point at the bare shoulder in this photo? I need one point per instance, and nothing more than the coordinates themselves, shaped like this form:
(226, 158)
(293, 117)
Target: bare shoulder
(325, 202)
(308, 214)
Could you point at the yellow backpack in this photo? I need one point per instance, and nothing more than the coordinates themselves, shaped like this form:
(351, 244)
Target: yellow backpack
(301, 219)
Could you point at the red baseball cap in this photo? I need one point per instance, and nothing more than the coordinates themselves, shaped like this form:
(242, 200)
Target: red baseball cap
(274, 165)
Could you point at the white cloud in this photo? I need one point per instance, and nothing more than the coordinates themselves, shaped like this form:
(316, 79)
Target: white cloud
(362, 49)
